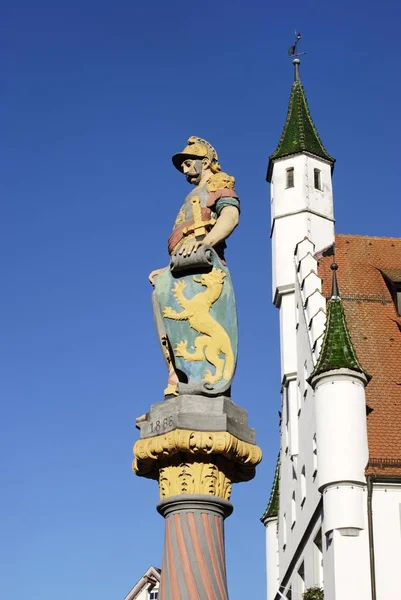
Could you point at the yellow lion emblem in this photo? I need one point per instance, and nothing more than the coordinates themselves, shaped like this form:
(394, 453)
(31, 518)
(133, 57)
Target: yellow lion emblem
(214, 340)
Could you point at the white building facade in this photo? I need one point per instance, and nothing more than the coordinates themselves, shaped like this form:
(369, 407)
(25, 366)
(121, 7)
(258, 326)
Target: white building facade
(328, 522)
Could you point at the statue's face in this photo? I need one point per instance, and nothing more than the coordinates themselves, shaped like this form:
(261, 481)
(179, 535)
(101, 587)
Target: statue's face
(192, 169)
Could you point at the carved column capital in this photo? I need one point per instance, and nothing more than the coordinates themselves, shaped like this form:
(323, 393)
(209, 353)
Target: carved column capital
(196, 462)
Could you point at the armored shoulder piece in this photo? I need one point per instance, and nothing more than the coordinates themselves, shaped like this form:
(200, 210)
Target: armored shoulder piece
(219, 181)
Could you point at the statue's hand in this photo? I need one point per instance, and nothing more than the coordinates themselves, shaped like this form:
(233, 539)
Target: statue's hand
(154, 274)
(189, 247)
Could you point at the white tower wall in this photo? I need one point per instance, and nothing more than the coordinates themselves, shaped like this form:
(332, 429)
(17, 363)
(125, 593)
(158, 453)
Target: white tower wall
(346, 567)
(298, 212)
(342, 442)
(272, 558)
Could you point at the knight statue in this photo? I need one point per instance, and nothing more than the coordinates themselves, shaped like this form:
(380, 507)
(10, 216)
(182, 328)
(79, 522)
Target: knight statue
(193, 298)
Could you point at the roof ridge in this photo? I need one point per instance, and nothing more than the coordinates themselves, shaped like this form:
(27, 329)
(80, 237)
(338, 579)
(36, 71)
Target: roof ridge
(370, 237)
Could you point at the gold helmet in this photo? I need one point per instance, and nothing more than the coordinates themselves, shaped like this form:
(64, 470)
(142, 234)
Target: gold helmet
(197, 149)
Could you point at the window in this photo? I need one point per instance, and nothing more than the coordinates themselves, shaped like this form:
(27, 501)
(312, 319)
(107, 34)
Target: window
(284, 531)
(317, 179)
(287, 418)
(393, 282)
(293, 510)
(290, 178)
(154, 595)
(299, 403)
(314, 450)
(303, 486)
(306, 375)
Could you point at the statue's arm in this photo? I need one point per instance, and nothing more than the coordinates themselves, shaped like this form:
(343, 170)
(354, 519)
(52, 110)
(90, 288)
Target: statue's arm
(226, 223)
(154, 274)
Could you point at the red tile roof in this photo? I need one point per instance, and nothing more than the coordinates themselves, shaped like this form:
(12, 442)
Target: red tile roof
(375, 329)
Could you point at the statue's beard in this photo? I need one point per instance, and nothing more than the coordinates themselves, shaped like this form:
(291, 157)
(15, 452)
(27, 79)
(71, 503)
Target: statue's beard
(194, 178)
(195, 175)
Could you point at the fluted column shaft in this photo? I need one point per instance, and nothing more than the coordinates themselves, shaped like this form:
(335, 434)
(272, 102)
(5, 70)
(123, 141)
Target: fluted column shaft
(194, 565)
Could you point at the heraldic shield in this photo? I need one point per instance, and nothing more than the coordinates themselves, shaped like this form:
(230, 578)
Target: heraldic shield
(196, 318)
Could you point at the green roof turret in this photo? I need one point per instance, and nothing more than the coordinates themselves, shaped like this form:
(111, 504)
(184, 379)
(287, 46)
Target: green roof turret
(299, 133)
(337, 351)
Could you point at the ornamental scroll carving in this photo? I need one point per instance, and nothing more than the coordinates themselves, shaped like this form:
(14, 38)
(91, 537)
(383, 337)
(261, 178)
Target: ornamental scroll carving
(158, 452)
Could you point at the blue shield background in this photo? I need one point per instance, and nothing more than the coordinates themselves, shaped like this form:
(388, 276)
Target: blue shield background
(223, 311)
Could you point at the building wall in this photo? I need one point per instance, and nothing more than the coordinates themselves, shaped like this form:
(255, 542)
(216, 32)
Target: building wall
(386, 509)
(299, 496)
(307, 556)
(308, 567)
(322, 538)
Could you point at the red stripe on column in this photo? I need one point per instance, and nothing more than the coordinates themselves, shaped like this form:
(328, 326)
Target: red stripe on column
(218, 524)
(208, 533)
(193, 593)
(196, 544)
(163, 576)
(174, 585)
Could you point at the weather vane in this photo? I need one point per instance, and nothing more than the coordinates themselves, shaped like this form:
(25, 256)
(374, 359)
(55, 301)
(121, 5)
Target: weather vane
(292, 51)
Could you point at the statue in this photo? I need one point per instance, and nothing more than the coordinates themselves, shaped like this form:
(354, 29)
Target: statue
(193, 298)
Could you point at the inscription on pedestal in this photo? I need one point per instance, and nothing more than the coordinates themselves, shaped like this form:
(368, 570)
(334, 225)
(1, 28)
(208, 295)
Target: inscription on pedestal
(161, 426)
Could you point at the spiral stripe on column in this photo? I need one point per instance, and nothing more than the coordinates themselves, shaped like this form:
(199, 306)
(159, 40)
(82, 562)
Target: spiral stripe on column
(193, 593)
(221, 560)
(206, 574)
(213, 556)
(219, 530)
(169, 572)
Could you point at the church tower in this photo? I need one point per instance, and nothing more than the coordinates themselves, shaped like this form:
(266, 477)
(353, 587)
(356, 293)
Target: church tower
(316, 521)
(299, 172)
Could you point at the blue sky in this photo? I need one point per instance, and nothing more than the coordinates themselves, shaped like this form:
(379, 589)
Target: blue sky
(96, 97)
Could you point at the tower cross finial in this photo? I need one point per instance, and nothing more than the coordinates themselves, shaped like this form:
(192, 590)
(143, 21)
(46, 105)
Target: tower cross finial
(335, 293)
(293, 52)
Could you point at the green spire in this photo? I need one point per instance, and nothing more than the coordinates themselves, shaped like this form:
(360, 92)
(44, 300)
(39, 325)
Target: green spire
(274, 501)
(299, 133)
(337, 351)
